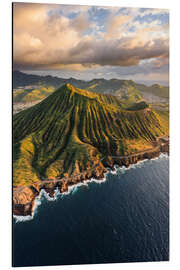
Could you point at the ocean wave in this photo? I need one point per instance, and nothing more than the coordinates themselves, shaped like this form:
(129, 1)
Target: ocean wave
(22, 218)
(139, 164)
(117, 170)
(57, 194)
(72, 189)
(37, 203)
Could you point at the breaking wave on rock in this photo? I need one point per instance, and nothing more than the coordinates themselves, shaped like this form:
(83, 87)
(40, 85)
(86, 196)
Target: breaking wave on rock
(74, 188)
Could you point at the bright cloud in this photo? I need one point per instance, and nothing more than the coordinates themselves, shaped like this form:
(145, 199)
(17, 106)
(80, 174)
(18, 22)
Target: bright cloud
(82, 38)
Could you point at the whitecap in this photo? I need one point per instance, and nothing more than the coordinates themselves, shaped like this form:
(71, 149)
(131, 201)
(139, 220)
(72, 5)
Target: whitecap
(121, 170)
(37, 203)
(22, 218)
(117, 170)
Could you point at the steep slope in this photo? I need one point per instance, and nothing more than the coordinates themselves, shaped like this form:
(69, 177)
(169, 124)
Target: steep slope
(72, 130)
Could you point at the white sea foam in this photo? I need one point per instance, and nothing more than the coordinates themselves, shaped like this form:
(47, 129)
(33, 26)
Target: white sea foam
(73, 188)
(22, 218)
(162, 155)
(48, 197)
(43, 193)
(37, 202)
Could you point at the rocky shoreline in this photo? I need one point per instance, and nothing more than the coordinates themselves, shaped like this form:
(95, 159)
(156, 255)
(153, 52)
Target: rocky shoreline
(24, 196)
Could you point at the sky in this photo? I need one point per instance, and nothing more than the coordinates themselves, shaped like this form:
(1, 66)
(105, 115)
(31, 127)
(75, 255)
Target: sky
(87, 42)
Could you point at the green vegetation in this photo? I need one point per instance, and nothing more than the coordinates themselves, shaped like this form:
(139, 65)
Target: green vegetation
(122, 88)
(72, 128)
(155, 89)
(138, 106)
(132, 89)
(29, 95)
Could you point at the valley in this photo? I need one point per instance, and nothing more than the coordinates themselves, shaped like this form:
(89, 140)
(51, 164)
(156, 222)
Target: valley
(29, 90)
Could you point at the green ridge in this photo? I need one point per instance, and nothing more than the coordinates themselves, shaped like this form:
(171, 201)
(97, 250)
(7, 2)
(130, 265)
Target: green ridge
(72, 128)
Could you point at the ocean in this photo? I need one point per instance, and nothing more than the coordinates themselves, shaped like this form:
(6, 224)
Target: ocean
(123, 219)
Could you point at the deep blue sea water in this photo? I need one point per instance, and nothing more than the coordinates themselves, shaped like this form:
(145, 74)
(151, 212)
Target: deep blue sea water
(124, 219)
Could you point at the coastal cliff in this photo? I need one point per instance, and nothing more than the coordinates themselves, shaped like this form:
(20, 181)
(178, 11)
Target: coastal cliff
(24, 197)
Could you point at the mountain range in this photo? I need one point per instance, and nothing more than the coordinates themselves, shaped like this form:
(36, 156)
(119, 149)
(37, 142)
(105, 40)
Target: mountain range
(34, 87)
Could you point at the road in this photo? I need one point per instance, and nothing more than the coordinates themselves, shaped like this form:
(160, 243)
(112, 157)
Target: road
(156, 147)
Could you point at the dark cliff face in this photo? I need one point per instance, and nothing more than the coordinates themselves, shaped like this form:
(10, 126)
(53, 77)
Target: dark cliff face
(23, 198)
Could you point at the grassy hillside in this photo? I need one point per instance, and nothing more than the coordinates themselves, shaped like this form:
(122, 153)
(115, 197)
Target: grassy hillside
(70, 130)
(118, 87)
(114, 86)
(29, 95)
(155, 89)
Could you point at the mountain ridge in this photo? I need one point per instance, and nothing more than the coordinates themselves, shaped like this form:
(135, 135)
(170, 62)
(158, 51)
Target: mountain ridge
(77, 119)
(112, 86)
(17, 83)
(74, 135)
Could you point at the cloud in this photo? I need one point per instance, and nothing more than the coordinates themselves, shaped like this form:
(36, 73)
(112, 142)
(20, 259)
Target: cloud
(72, 9)
(152, 11)
(49, 37)
(161, 61)
(122, 52)
(39, 38)
(80, 23)
(115, 25)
